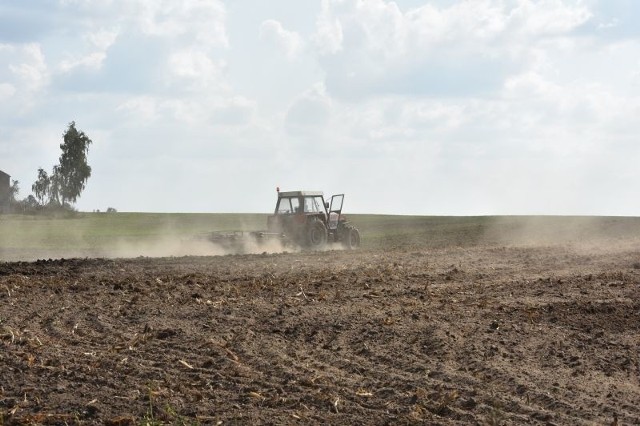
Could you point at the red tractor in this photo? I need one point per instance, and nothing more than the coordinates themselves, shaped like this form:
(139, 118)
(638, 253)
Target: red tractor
(301, 218)
(306, 219)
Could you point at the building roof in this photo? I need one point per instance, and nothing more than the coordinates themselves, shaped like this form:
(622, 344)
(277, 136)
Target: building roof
(4, 174)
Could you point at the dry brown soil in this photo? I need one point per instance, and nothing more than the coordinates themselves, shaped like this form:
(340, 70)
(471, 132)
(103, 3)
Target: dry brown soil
(460, 335)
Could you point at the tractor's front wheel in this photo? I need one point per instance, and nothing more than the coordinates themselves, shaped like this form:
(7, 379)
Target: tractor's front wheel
(351, 238)
(316, 235)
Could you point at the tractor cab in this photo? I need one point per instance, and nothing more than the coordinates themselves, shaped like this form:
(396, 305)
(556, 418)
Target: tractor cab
(300, 202)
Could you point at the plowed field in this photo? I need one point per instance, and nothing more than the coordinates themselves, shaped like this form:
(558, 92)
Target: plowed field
(484, 334)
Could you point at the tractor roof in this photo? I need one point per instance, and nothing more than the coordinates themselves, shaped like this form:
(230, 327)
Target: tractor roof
(300, 194)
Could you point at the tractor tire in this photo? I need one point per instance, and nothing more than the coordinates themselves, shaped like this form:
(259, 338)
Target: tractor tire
(316, 235)
(351, 238)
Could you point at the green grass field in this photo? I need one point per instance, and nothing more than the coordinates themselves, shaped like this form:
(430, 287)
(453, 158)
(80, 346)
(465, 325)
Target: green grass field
(94, 234)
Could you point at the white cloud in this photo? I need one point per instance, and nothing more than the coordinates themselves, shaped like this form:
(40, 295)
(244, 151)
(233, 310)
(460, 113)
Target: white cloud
(191, 64)
(97, 44)
(195, 70)
(141, 109)
(374, 47)
(199, 20)
(289, 41)
(92, 61)
(329, 36)
(309, 114)
(32, 68)
(234, 111)
(6, 91)
(548, 17)
(148, 111)
(24, 77)
(103, 39)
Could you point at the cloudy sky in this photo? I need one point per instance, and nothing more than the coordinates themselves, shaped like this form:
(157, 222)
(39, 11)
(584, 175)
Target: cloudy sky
(441, 107)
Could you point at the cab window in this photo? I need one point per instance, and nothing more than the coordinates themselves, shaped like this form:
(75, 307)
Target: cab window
(288, 205)
(313, 205)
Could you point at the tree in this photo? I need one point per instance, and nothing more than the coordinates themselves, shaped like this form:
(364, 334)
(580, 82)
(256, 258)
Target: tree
(14, 189)
(30, 203)
(41, 187)
(71, 174)
(69, 177)
(27, 205)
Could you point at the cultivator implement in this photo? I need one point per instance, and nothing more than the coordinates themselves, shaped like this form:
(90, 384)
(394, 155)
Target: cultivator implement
(240, 241)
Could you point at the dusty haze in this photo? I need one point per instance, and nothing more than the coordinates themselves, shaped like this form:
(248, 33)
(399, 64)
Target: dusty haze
(32, 238)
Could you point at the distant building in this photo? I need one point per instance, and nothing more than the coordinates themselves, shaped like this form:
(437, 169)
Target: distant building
(5, 184)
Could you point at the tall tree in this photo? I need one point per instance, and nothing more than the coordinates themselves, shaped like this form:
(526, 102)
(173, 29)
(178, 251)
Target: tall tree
(41, 187)
(71, 174)
(14, 189)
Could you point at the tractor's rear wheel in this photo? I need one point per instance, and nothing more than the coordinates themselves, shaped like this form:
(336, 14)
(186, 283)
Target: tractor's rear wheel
(351, 238)
(316, 235)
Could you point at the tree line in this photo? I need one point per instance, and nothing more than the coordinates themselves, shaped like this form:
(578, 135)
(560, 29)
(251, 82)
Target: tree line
(59, 189)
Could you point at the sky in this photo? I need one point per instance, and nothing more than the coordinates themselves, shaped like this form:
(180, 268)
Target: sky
(442, 107)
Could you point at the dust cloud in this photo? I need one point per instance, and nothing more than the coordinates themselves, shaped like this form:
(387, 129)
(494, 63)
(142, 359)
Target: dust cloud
(162, 247)
(158, 247)
(580, 233)
(30, 239)
(177, 247)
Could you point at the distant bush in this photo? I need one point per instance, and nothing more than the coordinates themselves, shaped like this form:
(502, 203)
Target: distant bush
(31, 206)
(27, 205)
(111, 210)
